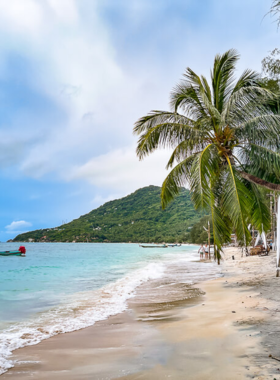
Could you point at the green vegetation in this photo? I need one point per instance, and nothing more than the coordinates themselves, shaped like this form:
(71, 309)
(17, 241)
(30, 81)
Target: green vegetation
(271, 70)
(271, 64)
(137, 218)
(226, 141)
(198, 235)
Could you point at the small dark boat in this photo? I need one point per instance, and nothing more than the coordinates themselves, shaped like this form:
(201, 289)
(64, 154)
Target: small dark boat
(154, 246)
(11, 253)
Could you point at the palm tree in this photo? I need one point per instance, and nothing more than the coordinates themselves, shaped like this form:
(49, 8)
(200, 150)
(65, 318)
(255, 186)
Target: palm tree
(225, 143)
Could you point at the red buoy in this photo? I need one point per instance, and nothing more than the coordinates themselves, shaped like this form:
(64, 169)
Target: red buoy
(22, 249)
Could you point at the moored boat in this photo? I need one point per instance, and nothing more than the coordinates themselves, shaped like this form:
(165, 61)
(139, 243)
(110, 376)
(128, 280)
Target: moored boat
(154, 246)
(20, 252)
(11, 253)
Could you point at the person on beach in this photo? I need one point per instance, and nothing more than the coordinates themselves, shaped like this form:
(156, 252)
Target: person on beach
(201, 251)
(206, 251)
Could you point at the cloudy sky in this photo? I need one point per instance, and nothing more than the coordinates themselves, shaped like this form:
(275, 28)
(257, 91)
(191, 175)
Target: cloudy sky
(74, 77)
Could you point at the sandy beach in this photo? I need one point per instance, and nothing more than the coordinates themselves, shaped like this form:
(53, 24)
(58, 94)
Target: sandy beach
(226, 330)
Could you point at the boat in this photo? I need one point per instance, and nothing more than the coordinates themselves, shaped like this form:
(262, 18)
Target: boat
(154, 246)
(11, 253)
(20, 252)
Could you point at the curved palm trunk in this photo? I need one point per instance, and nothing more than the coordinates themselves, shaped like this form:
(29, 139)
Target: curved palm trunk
(259, 181)
(219, 258)
(217, 255)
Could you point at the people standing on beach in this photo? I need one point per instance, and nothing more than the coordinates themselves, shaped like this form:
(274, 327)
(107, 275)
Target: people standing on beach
(201, 251)
(206, 252)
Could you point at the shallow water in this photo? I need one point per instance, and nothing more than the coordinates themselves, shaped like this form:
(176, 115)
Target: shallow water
(62, 287)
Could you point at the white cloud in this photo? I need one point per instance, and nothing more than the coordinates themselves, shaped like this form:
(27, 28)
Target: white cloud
(120, 170)
(102, 90)
(65, 10)
(81, 76)
(32, 17)
(21, 16)
(18, 226)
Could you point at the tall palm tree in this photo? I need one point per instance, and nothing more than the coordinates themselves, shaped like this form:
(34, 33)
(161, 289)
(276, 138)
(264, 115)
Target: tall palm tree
(225, 143)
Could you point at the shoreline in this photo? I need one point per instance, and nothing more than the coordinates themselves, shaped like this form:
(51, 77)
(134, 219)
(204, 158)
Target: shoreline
(224, 333)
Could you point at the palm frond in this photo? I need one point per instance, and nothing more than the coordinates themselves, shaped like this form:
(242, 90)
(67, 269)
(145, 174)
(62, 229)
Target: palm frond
(246, 103)
(259, 159)
(205, 167)
(222, 77)
(261, 130)
(207, 88)
(184, 149)
(177, 178)
(237, 202)
(221, 224)
(260, 216)
(188, 98)
(169, 135)
(247, 79)
(155, 118)
(194, 96)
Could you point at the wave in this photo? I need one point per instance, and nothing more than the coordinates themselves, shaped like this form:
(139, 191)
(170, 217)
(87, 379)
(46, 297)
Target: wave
(87, 308)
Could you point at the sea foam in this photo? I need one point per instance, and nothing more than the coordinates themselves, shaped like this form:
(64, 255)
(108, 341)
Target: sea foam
(86, 309)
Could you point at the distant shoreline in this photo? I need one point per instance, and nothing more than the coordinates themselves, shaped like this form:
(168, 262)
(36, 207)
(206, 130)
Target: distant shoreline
(92, 242)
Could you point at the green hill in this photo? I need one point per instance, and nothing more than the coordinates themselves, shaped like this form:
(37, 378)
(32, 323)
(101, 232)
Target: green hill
(136, 218)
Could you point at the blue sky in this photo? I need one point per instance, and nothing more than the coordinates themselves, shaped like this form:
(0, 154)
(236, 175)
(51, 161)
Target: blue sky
(74, 77)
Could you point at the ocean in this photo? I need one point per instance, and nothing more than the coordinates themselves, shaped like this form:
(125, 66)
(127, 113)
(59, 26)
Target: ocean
(63, 287)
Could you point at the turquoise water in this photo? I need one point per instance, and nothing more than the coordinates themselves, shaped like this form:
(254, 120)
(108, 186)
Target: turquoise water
(61, 287)
(50, 271)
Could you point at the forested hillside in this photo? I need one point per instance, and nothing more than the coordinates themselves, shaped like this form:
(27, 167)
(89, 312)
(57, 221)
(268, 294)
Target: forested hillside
(136, 218)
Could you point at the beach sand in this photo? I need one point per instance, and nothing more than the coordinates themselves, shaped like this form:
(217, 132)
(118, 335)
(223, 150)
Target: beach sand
(225, 331)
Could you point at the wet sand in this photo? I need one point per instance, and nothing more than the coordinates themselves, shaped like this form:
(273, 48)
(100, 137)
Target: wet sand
(225, 330)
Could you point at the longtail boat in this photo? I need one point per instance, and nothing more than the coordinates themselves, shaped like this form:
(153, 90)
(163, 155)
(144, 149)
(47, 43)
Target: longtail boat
(154, 246)
(11, 253)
